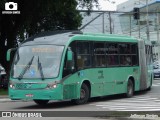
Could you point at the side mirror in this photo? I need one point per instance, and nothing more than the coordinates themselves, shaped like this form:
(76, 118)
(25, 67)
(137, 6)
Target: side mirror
(70, 60)
(9, 53)
(69, 55)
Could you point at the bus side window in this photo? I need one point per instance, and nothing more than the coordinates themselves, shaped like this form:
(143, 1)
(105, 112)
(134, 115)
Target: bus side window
(80, 62)
(83, 55)
(112, 54)
(99, 54)
(112, 60)
(125, 60)
(67, 65)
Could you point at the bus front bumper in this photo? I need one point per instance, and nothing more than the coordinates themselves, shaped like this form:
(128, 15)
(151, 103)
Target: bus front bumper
(50, 94)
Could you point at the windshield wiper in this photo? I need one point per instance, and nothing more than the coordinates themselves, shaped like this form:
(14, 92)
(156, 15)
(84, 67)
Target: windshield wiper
(40, 69)
(25, 69)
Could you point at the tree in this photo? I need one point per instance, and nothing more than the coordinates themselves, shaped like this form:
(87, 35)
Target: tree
(37, 16)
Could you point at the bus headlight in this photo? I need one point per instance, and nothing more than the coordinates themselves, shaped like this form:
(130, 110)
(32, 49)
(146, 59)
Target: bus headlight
(11, 85)
(51, 86)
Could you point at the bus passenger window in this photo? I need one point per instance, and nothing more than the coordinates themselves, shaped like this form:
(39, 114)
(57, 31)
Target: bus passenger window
(83, 55)
(80, 62)
(112, 54)
(112, 60)
(125, 60)
(99, 54)
(134, 60)
(124, 48)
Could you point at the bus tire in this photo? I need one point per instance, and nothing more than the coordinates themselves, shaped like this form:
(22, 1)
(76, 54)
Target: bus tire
(84, 95)
(130, 89)
(148, 89)
(41, 102)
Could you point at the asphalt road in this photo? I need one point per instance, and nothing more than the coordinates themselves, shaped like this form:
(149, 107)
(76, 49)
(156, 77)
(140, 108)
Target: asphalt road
(148, 102)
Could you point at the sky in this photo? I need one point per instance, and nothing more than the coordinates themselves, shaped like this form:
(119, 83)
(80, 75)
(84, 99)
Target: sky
(105, 5)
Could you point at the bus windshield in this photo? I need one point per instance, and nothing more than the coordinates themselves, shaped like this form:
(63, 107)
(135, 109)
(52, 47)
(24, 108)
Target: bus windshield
(40, 61)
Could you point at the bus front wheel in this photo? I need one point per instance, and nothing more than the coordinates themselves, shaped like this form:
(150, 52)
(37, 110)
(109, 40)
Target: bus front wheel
(84, 95)
(130, 89)
(41, 102)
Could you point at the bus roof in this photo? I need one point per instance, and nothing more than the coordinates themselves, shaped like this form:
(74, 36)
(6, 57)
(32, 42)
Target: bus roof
(109, 35)
(63, 37)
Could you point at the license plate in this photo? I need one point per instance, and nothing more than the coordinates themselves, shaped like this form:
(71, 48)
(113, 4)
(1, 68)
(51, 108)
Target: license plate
(29, 95)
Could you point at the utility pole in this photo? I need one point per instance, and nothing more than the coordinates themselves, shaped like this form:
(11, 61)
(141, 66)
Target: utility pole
(110, 22)
(139, 27)
(147, 20)
(103, 22)
(158, 40)
(130, 32)
(136, 16)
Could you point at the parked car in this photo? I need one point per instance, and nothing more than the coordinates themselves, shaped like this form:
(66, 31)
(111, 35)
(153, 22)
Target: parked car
(156, 65)
(156, 72)
(3, 78)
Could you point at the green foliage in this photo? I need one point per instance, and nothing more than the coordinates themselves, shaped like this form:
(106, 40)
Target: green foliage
(89, 4)
(49, 15)
(3, 92)
(44, 15)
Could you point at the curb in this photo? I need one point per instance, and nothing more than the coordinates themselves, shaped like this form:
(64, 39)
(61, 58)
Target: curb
(5, 100)
(4, 96)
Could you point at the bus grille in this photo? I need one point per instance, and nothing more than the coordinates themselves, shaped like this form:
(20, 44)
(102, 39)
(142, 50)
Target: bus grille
(29, 86)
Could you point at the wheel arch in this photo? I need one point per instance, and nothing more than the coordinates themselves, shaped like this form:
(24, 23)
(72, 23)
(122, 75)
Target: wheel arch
(133, 81)
(87, 82)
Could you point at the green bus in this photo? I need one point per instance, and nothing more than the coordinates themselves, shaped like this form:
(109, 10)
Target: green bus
(78, 66)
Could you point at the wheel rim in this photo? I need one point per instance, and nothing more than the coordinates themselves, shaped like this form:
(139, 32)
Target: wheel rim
(83, 94)
(130, 89)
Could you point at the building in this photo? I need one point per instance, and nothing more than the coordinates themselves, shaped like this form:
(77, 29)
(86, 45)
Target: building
(147, 27)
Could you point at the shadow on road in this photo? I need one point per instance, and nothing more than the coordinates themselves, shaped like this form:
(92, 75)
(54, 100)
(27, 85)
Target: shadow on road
(67, 104)
(116, 97)
(50, 105)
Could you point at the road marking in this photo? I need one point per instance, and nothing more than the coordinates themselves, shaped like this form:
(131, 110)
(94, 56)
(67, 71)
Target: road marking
(135, 109)
(145, 102)
(130, 104)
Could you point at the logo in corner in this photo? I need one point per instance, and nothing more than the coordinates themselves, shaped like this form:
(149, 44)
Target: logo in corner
(6, 114)
(11, 8)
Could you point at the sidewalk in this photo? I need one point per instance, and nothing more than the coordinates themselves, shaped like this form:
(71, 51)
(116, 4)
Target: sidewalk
(3, 96)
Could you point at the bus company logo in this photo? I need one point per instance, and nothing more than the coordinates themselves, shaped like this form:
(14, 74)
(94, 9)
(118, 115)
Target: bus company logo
(11, 8)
